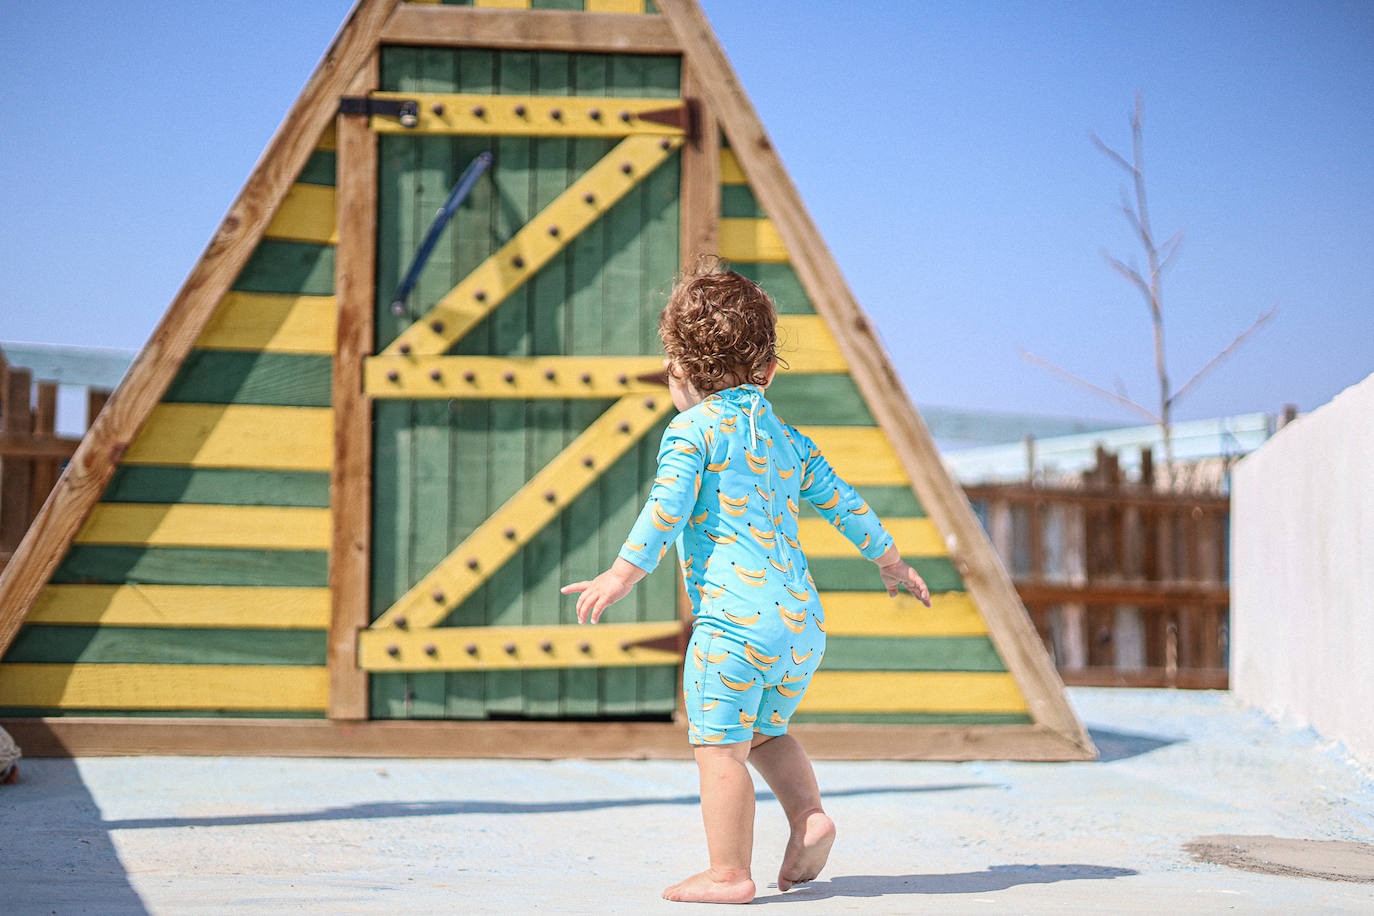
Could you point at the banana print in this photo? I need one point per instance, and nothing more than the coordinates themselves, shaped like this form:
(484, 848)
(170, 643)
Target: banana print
(735, 507)
(722, 538)
(636, 547)
(775, 719)
(707, 592)
(808, 480)
(782, 569)
(698, 659)
(685, 448)
(759, 490)
(789, 692)
(740, 621)
(710, 706)
(746, 720)
(788, 539)
(820, 624)
(750, 577)
(757, 465)
(665, 481)
(766, 539)
(698, 519)
(830, 503)
(800, 596)
(662, 520)
(795, 623)
(737, 686)
(719, 466)
(867, 539)
(787, 474)
(679, 424)
(799, 659)
(728, 426)
(793, 507)
(862, 510)
(709, 436)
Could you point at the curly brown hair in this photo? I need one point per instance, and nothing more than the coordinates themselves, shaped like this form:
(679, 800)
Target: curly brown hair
(720, 329)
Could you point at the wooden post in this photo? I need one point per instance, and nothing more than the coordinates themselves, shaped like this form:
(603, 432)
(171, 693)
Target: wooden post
(350, 482)
(16, 473)
(95, 403)
(44, 427)
(700, 196)
(1072, 617)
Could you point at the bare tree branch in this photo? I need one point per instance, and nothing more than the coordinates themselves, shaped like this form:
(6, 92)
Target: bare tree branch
(1169, 249)
(1111, 152)
(1124, 401)
(1130, 273)
(1217, 360)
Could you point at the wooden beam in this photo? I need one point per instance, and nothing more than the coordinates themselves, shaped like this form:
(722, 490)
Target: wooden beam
(26, 446)
(350, 482)
(457, 114)
(608, 645)
(147, 379)
(872, 370)
(700, 193)
(601, 740)
(528, 30)
(1150, 595)
(16, 473)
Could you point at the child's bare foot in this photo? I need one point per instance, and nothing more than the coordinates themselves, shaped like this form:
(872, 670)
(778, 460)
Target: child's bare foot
(711, 886)
(807, 850)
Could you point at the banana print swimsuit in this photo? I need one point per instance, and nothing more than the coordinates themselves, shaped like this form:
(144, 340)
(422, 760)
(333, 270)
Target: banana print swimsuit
(730, 479)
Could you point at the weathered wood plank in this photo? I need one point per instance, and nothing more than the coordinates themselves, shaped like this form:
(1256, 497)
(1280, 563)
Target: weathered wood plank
(188, 606)
(105, 644)
(934, 653)
(189, 525)
(218, 486)
(755, 240)
(873, 613)
(241, 377)
(236, 436)
(264, 687)
(271, 323)
(913, 691)
(521, 647)
(99, 564)
(542, 30)
(306, 214)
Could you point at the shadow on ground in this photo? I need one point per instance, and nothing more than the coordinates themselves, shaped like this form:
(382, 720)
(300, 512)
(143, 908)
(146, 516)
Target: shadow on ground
(376, 810)
(1120, 745)
(996, 878)
(66, 862)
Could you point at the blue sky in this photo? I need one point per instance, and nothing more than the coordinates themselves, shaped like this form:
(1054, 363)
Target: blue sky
(942, 148)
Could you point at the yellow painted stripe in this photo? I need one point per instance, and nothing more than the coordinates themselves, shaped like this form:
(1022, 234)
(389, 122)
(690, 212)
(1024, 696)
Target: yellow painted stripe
(89, 686)
(499, 648)
(533, 245)
(751, 240)
(526, 513)
(527, 115)
(273, 323)
(875, 614)
(806, 343)
(916, 537)
(913, 691)
(306, 214)
(182, 606)
(484, 377)
(730, 172)
(860, 454)
(192, 525)
(502, 4)
(236, 436)
(329, 140)
(615, 6)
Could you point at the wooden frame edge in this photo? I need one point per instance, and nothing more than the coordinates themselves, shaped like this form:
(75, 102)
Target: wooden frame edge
(531, 30)
(90, 468)
(117, 737)
(350, 481)
(985, 578)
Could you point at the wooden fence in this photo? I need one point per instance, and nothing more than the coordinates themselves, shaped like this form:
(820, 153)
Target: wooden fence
(31, 452)
(1127, 585)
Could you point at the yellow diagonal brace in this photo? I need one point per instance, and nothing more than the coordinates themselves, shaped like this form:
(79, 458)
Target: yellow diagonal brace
(531, 115)
(526, 513)
(534, 245)
(606, 645)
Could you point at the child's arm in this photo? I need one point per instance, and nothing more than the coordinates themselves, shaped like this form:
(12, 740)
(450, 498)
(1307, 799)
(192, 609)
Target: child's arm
(842, 506)
(681, 458)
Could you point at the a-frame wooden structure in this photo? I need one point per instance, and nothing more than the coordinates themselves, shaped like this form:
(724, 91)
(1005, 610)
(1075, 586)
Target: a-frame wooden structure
(241, 556)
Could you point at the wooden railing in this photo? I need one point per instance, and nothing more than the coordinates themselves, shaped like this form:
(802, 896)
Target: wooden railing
(31, 452)
(1125, 584)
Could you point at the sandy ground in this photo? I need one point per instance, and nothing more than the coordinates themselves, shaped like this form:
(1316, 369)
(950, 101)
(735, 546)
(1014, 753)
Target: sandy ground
(259, 836)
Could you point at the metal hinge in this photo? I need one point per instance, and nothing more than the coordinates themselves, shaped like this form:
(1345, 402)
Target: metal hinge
(407, 111)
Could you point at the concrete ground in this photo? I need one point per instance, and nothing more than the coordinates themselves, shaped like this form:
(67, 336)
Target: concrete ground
(261, 836)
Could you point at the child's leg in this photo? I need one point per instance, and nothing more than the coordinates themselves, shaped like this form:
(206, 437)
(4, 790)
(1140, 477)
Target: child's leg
(727, 810)
(784, 765)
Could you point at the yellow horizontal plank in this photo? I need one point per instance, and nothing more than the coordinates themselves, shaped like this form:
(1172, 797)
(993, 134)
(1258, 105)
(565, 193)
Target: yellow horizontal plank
(916, 537)
(808, 346)
(502, 4)
(528, 115)
(272, 323)
(527, 512)
(484, 377)
(875, 614)
(913, 691)
(182, 606)
(730, 172)
(329, 140)
(274, 688)
(615, 6)
(861, 455)
(503, 648)
(534, 245)
(236, 436)
(306, 214)
(747, 239)
(194, 525)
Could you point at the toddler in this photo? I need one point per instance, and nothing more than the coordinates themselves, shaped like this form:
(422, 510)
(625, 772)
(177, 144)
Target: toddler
(730, 478)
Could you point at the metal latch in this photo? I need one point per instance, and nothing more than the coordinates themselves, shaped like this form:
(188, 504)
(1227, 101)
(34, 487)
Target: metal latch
(407, 111)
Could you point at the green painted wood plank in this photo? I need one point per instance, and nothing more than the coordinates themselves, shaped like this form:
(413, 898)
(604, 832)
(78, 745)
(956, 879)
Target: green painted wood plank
(556, 5)
(912, 718)
(858, 574)
(86, 564)
(831, 399)
(235, 377)
(781, 282)
(276, 266)
(157, 645)
(738, 202)
(217, 486)
(320, 168)
(929, 653)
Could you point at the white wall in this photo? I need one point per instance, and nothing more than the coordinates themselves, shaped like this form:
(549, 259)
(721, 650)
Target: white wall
(1302, 572)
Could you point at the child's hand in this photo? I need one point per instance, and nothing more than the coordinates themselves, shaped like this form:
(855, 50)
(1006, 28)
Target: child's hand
(605, 590)
(896, 574)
